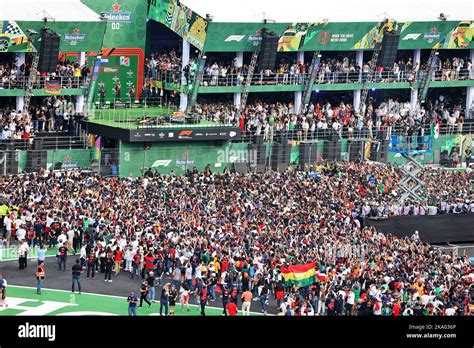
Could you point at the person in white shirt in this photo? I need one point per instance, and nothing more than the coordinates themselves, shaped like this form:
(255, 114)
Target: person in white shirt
(83, 256)
(23, 254)
(21, 232)
(62, 239)
(350, 302)
(128, 258)
(7, 222)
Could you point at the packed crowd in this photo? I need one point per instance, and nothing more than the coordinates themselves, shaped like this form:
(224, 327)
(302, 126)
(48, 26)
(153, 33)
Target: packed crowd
(163, 66)
(167, 66)
(53, 115)
(68, 74)
(379, 120)
(234, 234)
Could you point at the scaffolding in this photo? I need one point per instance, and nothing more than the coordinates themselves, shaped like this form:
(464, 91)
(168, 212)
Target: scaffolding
(410, 147)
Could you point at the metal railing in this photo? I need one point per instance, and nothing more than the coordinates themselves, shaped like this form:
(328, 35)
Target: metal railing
(345, 132)
(322, 77)
(41, 81)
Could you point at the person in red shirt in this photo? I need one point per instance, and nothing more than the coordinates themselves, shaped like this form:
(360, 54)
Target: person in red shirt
(396, 309)
(149, 264)
(231, 309)
(117, 260)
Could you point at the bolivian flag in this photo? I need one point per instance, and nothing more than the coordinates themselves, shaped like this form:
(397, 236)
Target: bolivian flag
(302, 275)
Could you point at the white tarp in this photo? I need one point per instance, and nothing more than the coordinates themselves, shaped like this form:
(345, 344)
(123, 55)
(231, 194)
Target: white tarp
(333, 10)
(53, 10)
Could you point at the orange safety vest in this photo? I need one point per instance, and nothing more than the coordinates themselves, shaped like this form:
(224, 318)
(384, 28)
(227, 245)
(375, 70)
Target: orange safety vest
(40, 273)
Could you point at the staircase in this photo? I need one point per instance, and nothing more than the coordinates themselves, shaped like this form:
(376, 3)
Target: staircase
(197, 81)
(425, 82)
(248, 81)
(309, 82)
(370, 76)
(30, 82)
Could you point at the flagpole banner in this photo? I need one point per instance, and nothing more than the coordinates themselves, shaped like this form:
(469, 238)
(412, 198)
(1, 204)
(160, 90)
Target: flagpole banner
(180, 19)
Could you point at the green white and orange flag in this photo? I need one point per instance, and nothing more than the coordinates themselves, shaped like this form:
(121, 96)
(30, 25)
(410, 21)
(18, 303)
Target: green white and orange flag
(302, 275)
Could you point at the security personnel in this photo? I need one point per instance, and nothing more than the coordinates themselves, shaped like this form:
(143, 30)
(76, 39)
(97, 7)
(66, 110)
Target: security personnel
(40, 274)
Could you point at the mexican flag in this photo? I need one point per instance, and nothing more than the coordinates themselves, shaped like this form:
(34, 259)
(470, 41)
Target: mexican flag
(302, 275)
(434, 130)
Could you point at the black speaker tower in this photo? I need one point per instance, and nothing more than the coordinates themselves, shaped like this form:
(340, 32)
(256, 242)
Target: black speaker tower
(388, 52)
(49, 51)
(268, 51)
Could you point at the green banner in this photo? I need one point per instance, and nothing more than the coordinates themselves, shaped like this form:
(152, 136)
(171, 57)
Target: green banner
(180, 19)
(327, 36)
(13, 38)
(75, 37)
(126, 22)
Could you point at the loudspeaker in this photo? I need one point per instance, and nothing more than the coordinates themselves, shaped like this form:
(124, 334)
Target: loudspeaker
(332, 151)
(257, 155)
(241, 167)
(49, 51)
(379, 152)
(257, 139)
(280, 159)
(355, 150)
(308, 154)
(388, 52)
(268, 52)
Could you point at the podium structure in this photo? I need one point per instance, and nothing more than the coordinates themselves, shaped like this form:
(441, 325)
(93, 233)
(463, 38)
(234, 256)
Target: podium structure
(410, 147)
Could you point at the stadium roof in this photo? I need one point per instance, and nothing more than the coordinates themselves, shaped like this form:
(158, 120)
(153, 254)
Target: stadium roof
(333, 10)
(53, 10)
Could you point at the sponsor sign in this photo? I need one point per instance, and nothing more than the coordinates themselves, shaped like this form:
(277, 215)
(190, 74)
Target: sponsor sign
(116, 15)
(144, 133)
(74, 37)
(184, 161)
(111, 70)
(161, 163)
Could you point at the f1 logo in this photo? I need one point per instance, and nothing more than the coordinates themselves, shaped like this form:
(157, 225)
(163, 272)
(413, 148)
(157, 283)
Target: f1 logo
(411, 37)
(237, 38)
(186, 133)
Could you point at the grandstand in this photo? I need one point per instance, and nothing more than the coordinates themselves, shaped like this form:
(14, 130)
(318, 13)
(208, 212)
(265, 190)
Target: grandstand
(283, 159)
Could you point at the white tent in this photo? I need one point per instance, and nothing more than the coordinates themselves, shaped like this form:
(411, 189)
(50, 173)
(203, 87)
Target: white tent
(53, 10)
(332, 10)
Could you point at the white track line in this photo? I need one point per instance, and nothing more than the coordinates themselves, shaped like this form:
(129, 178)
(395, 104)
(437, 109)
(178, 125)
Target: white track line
(115, 296)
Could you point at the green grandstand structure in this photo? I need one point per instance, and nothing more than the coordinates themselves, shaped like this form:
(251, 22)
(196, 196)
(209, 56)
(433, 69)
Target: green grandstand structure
(120, 33)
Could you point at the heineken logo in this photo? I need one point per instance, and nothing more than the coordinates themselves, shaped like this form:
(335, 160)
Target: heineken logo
(74, 37)
(116, 15)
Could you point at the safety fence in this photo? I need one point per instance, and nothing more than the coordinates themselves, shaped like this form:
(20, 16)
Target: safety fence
(288, 78)
(41, 82)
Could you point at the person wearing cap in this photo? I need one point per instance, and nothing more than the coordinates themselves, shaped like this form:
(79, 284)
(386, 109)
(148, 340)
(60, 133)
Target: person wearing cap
(62, 256)
(144, 290)
(132, 304)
